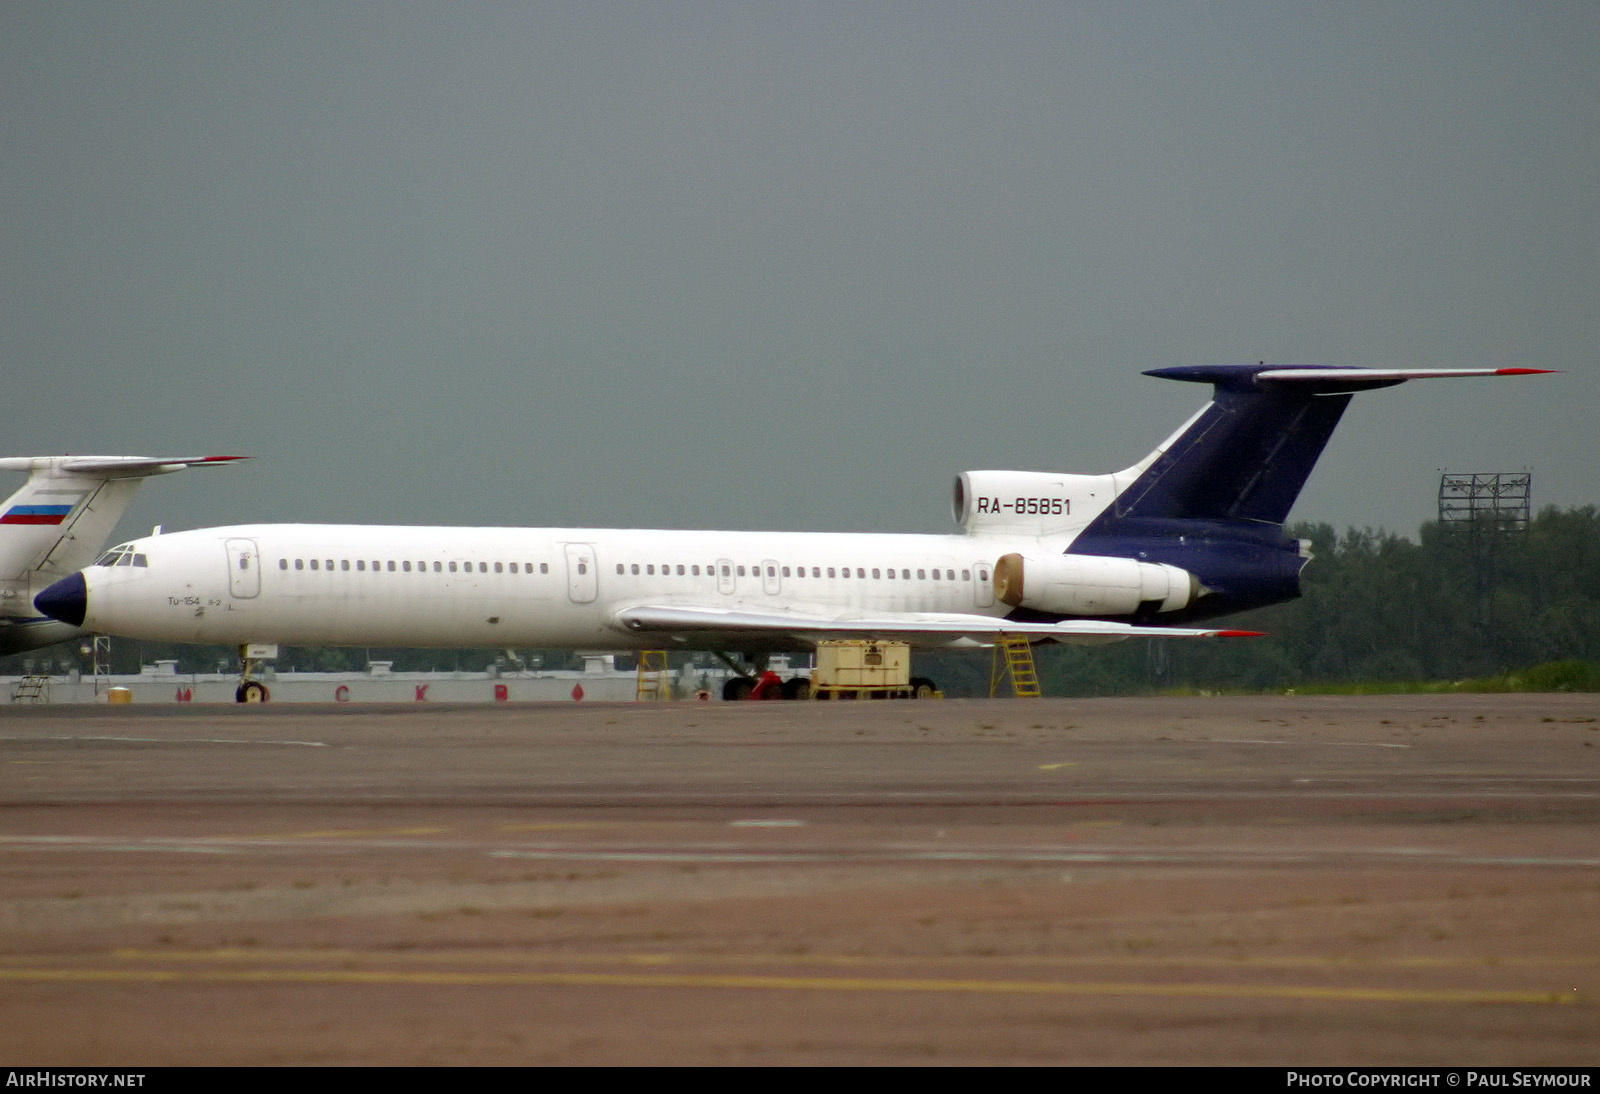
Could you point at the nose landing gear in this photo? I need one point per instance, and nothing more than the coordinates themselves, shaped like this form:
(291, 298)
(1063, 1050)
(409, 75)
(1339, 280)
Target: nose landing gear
(251, 690)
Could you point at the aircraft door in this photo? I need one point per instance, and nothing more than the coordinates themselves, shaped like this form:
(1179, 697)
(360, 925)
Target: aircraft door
(770, 581)
(725, 576)
(983, 583)
(583, 576)
(244, 568)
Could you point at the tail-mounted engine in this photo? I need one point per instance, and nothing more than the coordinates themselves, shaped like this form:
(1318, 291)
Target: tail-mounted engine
(1092, 585)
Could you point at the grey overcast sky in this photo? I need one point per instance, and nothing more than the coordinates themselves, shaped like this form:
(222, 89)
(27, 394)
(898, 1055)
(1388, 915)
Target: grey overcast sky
(786, 265)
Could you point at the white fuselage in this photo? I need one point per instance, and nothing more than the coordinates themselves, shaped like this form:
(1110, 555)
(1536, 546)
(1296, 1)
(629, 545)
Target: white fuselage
(540, 587)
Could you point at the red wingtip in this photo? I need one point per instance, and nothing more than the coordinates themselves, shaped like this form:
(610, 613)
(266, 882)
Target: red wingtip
(1241, 634)
(225, 459)
(1524, 371)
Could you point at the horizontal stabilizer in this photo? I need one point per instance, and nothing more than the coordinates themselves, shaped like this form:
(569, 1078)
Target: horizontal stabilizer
(112, 467)
(1385, 376)
(1320, 378)
(135, 467)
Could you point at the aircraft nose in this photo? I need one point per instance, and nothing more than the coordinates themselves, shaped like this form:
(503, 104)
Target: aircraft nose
(66, 600)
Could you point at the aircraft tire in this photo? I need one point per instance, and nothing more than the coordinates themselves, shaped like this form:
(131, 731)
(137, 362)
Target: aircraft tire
(251, 691)
(737, 688)
(797, 687)
(922, 687)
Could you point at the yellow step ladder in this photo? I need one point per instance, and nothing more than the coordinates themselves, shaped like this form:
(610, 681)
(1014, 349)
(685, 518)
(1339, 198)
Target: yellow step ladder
(31, 689)
(655, 679)
(1013, 657)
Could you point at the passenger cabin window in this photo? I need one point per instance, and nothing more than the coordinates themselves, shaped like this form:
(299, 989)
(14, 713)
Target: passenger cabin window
(283, 564)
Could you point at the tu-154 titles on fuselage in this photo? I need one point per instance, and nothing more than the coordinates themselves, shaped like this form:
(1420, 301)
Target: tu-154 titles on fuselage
(1192, 532)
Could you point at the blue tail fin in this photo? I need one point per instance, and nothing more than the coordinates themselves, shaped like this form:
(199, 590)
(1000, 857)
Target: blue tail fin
(1246, 457)
(1213, 498)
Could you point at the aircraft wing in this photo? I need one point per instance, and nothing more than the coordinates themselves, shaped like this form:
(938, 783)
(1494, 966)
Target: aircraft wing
(917, 627)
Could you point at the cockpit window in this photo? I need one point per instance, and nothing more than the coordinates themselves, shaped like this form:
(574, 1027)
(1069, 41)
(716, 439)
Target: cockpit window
(115, 556)
(122, 555)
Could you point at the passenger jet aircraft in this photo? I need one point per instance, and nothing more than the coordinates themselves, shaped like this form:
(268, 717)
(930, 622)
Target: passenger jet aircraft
(1191, 532)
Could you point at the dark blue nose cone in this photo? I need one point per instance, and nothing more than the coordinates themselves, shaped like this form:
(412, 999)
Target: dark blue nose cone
(66, 600)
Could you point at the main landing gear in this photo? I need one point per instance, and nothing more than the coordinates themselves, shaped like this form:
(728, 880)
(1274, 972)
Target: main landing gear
(769, 685)
(755, 681)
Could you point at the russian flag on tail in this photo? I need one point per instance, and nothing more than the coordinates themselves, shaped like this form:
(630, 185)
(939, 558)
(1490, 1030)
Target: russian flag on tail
(36, 514)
